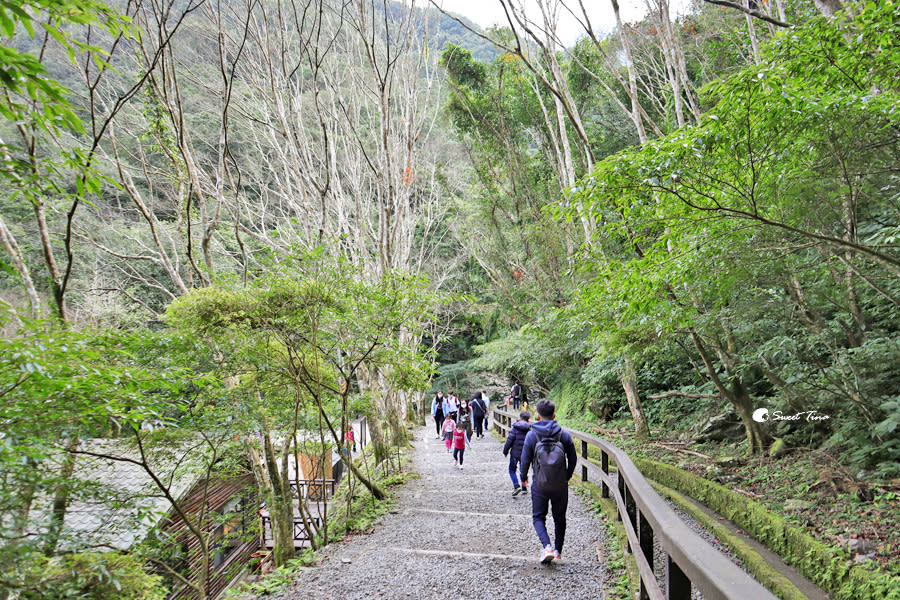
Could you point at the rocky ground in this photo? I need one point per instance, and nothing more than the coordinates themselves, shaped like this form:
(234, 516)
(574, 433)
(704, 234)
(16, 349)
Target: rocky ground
(458, 535)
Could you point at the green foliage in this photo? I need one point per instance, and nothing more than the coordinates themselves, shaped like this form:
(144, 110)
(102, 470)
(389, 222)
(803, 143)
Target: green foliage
(274, 582)
(461, 68)
(56, 386)
(32, 94)
(542, 353)
(311, 325)
(88, 576)
(572, 400)
(759, 235)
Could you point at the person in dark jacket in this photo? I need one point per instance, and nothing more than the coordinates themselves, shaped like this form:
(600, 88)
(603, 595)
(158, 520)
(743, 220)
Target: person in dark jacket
(541, 500)
(479, 409)
(515, 441)
(515, 395)
(464, 418)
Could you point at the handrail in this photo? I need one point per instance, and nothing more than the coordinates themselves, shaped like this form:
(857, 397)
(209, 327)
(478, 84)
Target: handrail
(304, 488)
(690, 559)
(301, 533)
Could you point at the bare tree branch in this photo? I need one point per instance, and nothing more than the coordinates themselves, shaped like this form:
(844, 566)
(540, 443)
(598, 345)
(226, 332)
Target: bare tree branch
(751, 12)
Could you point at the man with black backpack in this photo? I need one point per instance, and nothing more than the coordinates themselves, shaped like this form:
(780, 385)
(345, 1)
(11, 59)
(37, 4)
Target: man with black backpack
(552, 452)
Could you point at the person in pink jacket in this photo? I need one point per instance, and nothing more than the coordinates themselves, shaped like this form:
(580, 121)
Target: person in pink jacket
(447, 431)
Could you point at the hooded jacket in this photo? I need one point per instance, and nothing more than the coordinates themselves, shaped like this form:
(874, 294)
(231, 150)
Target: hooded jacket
(540, 430)
(515, 441)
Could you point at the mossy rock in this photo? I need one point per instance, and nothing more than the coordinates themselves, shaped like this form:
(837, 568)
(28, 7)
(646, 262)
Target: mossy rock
(778, 449)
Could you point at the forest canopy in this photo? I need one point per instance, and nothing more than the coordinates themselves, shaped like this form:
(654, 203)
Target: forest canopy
(225, 225)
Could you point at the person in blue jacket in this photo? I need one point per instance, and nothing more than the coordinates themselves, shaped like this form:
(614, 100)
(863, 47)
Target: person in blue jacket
(437, 411)
(515, 441)
(556, 499)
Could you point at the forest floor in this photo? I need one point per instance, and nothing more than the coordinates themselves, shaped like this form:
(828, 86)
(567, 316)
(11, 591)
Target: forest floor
(811, 488)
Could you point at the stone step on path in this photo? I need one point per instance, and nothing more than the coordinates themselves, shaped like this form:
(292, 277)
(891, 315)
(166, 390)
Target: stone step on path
(459, 535)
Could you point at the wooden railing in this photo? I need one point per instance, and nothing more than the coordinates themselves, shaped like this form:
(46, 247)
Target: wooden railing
(313, 488)
(301, 533)
(689, 559)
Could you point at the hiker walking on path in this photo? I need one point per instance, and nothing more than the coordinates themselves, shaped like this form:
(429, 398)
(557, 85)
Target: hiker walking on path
(552, 452)
(460, 443)
(437, 411)
(464, 418)
(447, 431)
(350, 438)
(487, 409)
(451, 405)
(515, 395)
(479, 410)
(515, 441)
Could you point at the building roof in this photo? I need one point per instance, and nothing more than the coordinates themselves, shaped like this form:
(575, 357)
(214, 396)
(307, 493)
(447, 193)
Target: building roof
(118, 501)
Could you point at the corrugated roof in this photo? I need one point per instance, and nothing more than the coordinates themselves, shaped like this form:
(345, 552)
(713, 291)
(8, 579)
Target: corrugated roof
(126, 503)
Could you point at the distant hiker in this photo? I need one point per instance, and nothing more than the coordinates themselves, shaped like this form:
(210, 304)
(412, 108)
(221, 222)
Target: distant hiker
(451, 404)
(437, 411)
(447, 431)
(479, 410)
(350, 438)
(464, 418)
(552, 452)
(460, 443)
(515, 441)
(487, 409)
(515, 395)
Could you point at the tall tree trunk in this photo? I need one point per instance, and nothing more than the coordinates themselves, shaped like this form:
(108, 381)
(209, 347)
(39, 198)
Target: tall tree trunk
(280, 503)
(56, 279)
(757, 438)
(629, 383)
(828, 7)
(751, 29)
(61, 497)
(9, 242)
(632, 76)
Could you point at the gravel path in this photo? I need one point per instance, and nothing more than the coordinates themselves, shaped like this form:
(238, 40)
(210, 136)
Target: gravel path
(458, 535)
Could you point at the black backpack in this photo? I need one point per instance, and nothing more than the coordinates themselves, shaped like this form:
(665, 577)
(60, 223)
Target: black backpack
(550, 473)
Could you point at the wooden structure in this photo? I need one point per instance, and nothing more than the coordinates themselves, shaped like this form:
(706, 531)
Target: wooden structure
(226, 510)
(690, 561)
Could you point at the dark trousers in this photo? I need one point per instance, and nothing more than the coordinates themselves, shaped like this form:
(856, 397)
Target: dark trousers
(458, 454)
(513, 467)
(438, 421)
(557, 502)
(515, 402)
(479, 421)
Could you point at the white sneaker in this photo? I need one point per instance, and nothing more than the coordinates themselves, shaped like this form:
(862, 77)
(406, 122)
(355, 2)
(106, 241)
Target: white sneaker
(460, 467)
(547, 554)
